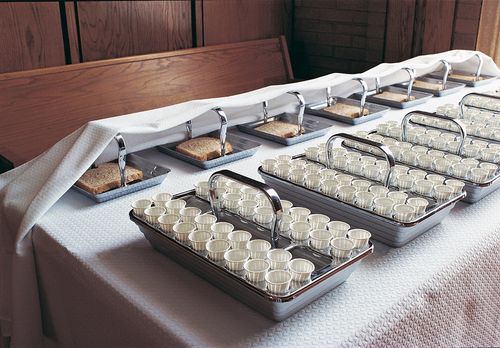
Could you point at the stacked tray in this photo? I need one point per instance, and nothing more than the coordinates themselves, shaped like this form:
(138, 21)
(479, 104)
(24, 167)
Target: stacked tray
(470, 79)
(314, 265)
(329, 190)
(469, 159)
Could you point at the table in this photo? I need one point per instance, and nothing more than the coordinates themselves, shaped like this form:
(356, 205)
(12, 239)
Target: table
(101, 284)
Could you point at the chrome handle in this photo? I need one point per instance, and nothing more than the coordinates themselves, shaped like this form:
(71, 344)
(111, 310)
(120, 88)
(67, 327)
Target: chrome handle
(265, 111)
(411, 72)
(447, 68)
(389, 157)
(223, 129)
(270, 193)
(302, 107)
(122, 158)
(460, 125)
(189, 129)
(377, 85)
(479, 66)
(363, 95)
(462, 103)
(330, 99)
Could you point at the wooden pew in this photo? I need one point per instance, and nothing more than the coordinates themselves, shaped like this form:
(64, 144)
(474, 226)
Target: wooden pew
(40, 107)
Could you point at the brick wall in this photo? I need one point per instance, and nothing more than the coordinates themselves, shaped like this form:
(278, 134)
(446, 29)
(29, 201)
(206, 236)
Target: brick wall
(338, 36)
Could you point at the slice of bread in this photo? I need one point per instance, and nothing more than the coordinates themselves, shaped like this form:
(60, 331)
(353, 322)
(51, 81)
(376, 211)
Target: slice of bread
(428, 85)
(393, 96)
(202, 148)
(280, 129)
(465, 77)
(106, 177)
(342, 109)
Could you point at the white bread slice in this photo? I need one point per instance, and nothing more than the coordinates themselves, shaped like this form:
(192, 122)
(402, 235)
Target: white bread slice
(464, 77)
(106, 177)
(428, 85)
(202, 148)
(279, 128)
(345, 110)
(393, 96)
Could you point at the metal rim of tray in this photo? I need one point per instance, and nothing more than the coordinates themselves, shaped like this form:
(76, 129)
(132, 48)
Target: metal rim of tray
(463, 103)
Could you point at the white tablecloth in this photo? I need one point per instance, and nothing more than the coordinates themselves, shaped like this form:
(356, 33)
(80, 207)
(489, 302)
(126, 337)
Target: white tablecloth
(101, 284)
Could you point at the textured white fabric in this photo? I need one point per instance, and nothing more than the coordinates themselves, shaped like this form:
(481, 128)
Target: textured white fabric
(27, 192)
(103, 285)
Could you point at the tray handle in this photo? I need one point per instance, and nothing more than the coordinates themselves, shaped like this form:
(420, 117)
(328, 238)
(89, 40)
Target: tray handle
(389, 157)
(223, 129)
(330, 99)
(265, 111)
(302, 107)
(122, 158)
(412, 74)
(189, 129)
(462, 102)
(447, 68)
(479, 65)
(364, 92)
(269, 192)
(459, 124)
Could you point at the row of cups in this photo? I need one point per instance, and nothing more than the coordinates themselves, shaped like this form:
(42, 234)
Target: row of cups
(484, 102)
(471, 115)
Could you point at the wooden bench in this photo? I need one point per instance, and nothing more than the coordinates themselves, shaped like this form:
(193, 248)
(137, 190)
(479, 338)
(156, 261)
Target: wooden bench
(40, 107)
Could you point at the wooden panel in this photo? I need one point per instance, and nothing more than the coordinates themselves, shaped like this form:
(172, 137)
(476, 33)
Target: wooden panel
(227, 21)
(30, 35)
(467, 13)
(488, 40)
(399, 30)
(110, 29)
(74, 45)
(42, 106)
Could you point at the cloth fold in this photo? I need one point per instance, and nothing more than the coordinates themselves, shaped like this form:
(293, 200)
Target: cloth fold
(28, 192)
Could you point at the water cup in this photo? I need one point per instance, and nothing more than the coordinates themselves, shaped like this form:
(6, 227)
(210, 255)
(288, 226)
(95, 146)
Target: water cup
(457, 185)
(346, 193)
(425, 161)
(263, 215)
(312, 153)
(269, 165)
(327, 174)
(248, 193)
(298, 163)
(283, 170)
(230, 201)
(417, 174)
(318, 221)
(359, 237)
(478, 175)
(409, 157)
(356, 167)
(383, 206)
(174, 206)
(329, 187)
(490, 167)
(405, 181)
(300, 269)
(339, 151)
(344, 179)
(238, 239)
(372, 171)
(299, 230)
(361, 185)
(189, 214)
(398, 197)
(419, 204)
(153, 213)
(404, 212)
(263, 201)
(436, 154)
(436, 179)
(278, 258)
(313, 181)
(284, 158)
(182, 230)
(341, 247)
(340, 162)
(201, 189)
(338, 228)
(322, 156)
(221, 229)
(234, 187)
(378, 191)
(167, 222)
(205, 221)
(140, 206)
(285, 222)
(278, 281)
(472, 162)
(217, 248)
(320, 238)
(423, 187)
(460, 170)
(299, 213)
(453, 158)
(286, 206)
(199, 239)
(297, 175)
(364, 199)
(489, 154)
(442, 192)
(247, 208)
(442, 165)
(160, 199)
(471, 150)
(236, 258)
(256, 270)
(258, 248)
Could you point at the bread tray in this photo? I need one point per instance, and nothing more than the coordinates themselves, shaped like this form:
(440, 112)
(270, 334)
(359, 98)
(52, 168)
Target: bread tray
(471, 83)
(451, 87)
(384, 229)
(329, 272)
(420, 97)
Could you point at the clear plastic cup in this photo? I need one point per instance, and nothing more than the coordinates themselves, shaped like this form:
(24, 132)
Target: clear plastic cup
(299, 213)
(383, 206)
(236, 258)
(312, 153)
(460, 170)
(364, 199)
(338, 228)
(340, 162)
(278, 281)
(404, 212)
(417, 174)
(346, 193)
(471, 150)
(298, 163)
(248, 193)
(278, 258)
(356, 167)
(313, 181)
(263, 215)
(490, 167)
(238, 239)
(329, 187)
(425, 161)
(419, 204)
(327, 174)
(341, 247)
(378, 191)
(442, 192)
(174, 206)
(258, 248)
(300, 269)
(230, 201)
(359, 237)
(320, 238)
(299, 230)
(405, 181)
(423, 187)
(153, 213)
(284, 158)
(167, 222)
(246, 208)
(489, 154)
(318, 221)
(216, 249)
(409, 157)
(256, 270)
(472, 162)
(442, 165)
(478, 175)
(201, 189)
(160, 199)
(269, 165)
(313, 168)
(189, 214)
(199, 239)
(221, 229)
(398, 197)
(283, 170)
(182, 230)
(297, 175)
(436, 179)
(457, 185)
(372, 171)
(285, 222)
(361, 185)
(140, 205)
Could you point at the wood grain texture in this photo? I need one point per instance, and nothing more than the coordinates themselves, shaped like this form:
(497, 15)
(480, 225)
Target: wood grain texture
(489, 30)
(110, 29)
(399, 30)
(465, 28)
(241, 20)
(30, 35)
(61, 99)
(74, 46)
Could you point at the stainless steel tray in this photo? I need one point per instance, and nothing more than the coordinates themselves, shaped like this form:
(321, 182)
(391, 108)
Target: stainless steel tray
(485, 79)
(451, 87)
(464, 103)
(154, 174)
(328, 273)
(420, 97)
(383, 229)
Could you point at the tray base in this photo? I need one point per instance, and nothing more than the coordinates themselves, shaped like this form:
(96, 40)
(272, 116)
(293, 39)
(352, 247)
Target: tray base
(451, 87)
(420, 98)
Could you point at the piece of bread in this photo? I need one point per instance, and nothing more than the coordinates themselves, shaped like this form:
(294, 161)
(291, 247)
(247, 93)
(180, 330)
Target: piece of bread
(428, 85)
(351, 111)
(106, 177)
(394, 96)
(465, 77)
(280, 129)
(202, 148)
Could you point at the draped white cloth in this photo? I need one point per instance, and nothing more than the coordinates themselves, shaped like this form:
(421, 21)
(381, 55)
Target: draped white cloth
(27, 192)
